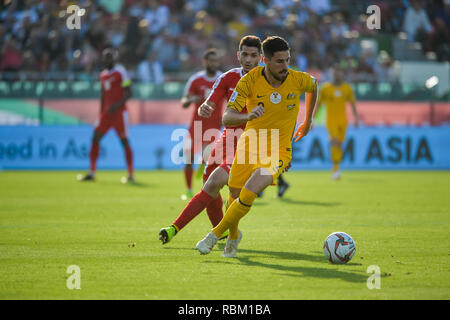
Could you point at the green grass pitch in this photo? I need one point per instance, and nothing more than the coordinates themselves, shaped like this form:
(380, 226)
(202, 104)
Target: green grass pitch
(49, 221)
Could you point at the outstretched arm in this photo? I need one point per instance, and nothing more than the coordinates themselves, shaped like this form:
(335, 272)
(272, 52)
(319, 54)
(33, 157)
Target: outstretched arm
(310, 101)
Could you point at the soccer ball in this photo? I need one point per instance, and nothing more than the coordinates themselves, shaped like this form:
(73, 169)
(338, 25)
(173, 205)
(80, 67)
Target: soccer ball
(339, 248)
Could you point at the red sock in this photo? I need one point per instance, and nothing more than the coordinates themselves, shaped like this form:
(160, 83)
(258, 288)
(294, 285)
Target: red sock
(188, 172)
(197, 204)
(129, 158)
(214, 210)
(93, 156)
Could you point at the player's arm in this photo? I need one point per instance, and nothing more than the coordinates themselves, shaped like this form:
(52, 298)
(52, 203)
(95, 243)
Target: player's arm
(188, 99)
(190, 93)
(206, 109)
(355, 114)
(353, 104)
(119, 104)
(218, 94)
(310, 101)
(233, 118)
(318, 103)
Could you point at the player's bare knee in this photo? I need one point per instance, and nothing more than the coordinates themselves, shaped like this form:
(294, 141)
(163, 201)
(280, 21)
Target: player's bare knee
(259, 180)
(212, 186)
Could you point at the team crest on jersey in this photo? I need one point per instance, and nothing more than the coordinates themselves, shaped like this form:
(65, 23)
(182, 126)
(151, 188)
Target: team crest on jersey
(291, 96)
(337, 93)
(275, 98)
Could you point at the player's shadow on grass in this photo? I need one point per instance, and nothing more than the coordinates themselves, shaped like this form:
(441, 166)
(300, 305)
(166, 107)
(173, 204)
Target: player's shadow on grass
(297, 270)
(303, 271)
(309, 203)
(138, 184)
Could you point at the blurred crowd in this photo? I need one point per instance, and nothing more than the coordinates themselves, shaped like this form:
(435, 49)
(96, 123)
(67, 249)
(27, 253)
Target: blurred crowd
(162, 40)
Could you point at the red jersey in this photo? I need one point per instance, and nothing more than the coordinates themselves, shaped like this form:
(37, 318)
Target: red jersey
(113, 83)
(200, 85)
(224, 87)
(221, 155)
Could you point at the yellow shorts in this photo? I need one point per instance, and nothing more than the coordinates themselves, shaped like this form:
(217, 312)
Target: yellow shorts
(240, 173)
(337, 131)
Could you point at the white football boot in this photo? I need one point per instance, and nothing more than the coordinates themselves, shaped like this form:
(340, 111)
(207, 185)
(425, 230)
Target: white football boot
(206, 245)
(231, 247)
(336, 175)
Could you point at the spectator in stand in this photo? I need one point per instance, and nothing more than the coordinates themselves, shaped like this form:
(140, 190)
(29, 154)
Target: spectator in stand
(157, 14)
(182, 28)
(364, 72)
(383, 69)
(11, 56)
(439, 40)
(319, 6)
(339, 26)
(116, 33)
(416, 24)
(150, 70)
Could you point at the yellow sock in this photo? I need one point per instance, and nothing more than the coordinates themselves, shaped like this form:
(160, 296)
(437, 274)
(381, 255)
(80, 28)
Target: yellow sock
(229, 201)
(235, 212)
(335, 166)
(336, 155)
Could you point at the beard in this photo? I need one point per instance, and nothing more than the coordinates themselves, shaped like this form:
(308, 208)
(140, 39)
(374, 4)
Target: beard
(211, 70)
(281, 76)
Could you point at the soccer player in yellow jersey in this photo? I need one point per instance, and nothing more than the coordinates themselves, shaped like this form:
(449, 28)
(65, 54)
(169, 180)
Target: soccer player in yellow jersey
(271, 95)
(335, 97)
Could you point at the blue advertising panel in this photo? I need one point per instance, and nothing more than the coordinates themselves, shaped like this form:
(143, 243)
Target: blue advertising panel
(378, 148)
(160, 147)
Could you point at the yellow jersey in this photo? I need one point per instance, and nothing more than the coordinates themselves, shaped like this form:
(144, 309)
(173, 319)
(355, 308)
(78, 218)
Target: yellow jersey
(281, 107)
(335, 98)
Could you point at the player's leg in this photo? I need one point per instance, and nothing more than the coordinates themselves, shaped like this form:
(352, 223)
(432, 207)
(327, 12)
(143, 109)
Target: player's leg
(129, 159)
(233, 230)
(121, 127)
(188, 152)
(337, 136)
(336, 154)
(257, 182)
(99, 131)
(215, 182)
(238, 176)
(209, 194)
(282, 186)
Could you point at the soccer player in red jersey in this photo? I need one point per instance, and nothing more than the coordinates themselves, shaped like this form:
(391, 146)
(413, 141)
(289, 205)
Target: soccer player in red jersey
(216, 174)
(196, 91)
(115, 91)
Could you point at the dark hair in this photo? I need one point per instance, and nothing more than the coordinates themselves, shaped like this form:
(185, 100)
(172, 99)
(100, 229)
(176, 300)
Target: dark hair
(250, 41)
(274, 44)
(209, 52)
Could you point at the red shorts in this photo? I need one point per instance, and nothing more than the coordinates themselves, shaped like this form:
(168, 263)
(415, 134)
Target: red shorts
(117, 121)
(221, 156)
